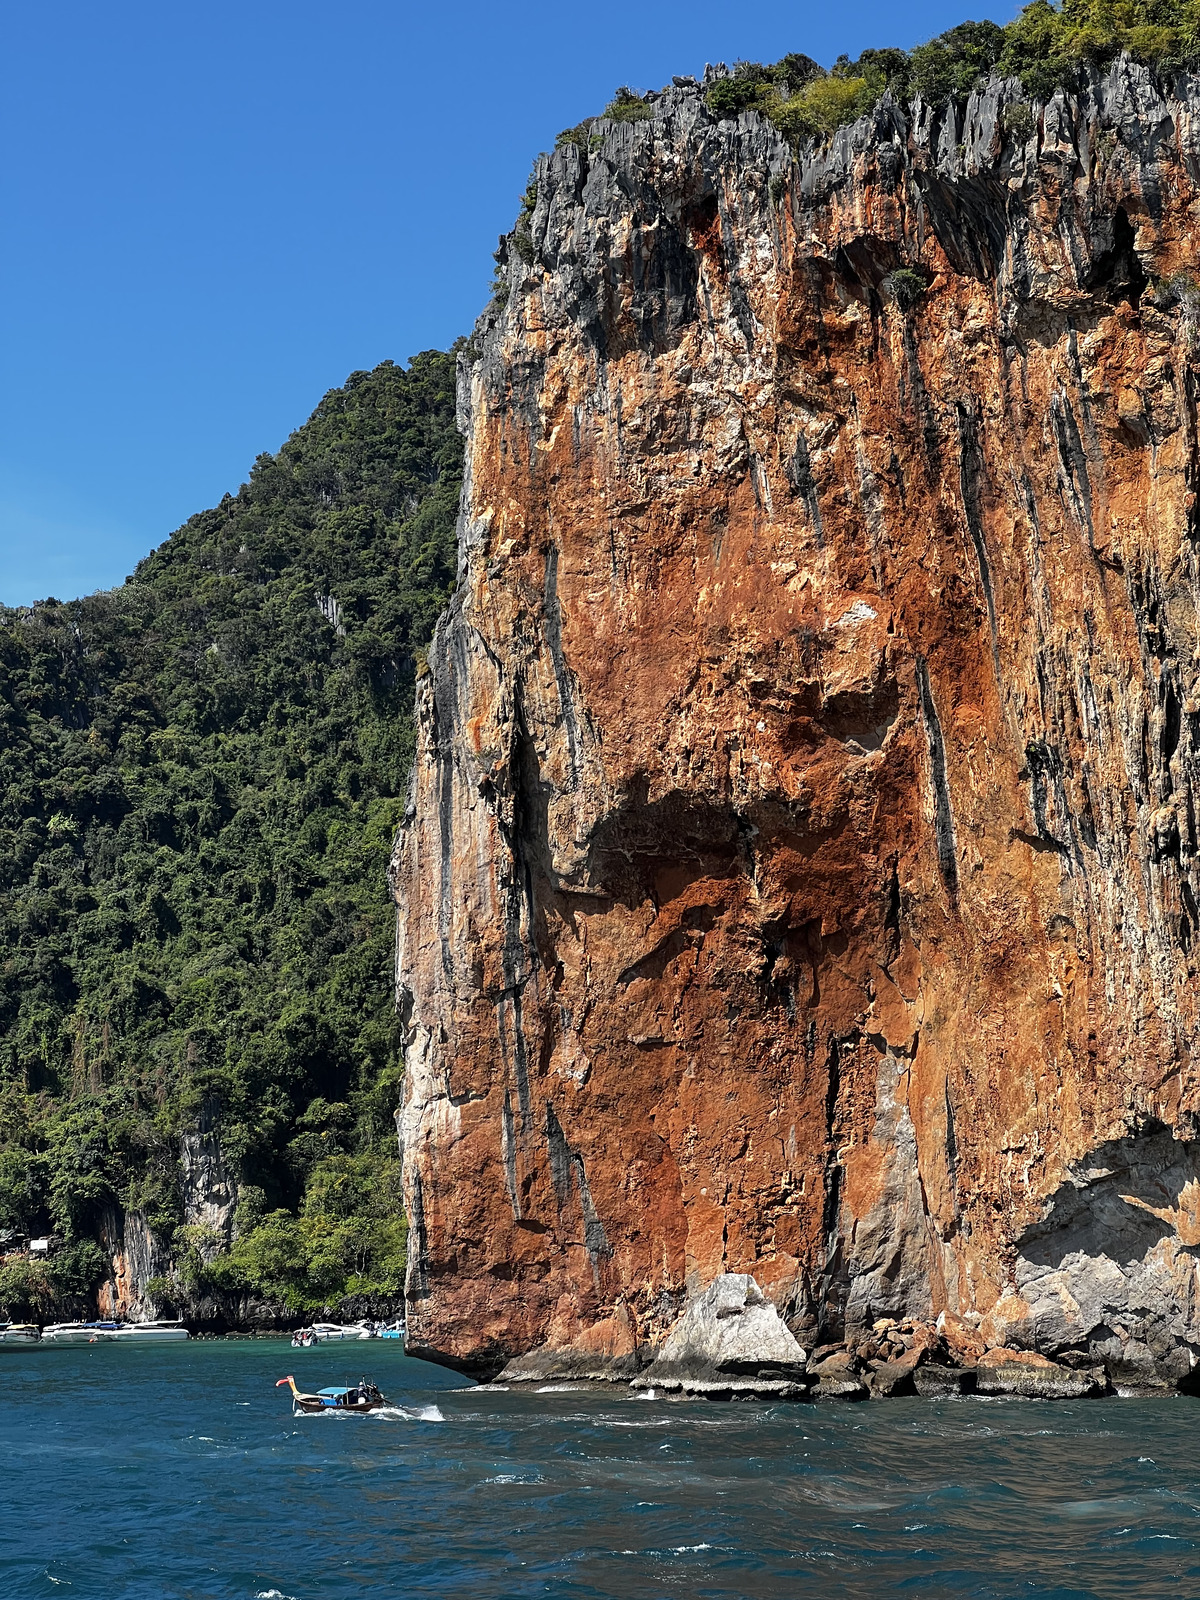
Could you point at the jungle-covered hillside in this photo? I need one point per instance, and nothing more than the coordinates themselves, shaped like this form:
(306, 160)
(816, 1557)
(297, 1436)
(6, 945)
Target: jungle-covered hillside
(200, 776)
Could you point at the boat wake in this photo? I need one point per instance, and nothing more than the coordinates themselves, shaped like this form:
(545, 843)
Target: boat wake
(410, 1413)
(380, 1413)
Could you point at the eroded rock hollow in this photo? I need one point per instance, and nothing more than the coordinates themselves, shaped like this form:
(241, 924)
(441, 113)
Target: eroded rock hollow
(801, 878)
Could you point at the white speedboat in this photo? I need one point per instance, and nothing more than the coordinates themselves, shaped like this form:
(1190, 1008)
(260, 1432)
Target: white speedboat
(150, 1332)
(109, 1332)
(330, 1332)
(78, 1332)
(19, 1336)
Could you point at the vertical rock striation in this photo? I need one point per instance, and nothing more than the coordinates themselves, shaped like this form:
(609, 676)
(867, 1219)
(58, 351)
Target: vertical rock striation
(136, 1258)
(209, 1187)
(802, 872)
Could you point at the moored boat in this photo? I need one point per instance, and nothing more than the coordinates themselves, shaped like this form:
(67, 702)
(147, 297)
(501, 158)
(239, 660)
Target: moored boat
(77, 1332)
(69, 1333)
(331, 1332)
(356, 1399)
(151, 1332)
(19, 1336)
(391, 1330)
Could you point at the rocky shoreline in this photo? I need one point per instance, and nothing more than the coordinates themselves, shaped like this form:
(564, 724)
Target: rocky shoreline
(732, 1344)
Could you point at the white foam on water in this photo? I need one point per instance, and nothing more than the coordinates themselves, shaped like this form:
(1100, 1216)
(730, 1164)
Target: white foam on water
(273, 1594)
(514, 1477)
(408, 1414)
(673, 1550)
(380, 1414)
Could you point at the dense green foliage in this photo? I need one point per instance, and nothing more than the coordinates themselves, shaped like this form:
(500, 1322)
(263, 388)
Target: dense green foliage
(201, 774)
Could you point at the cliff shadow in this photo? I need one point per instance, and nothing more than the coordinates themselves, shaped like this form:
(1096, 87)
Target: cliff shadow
(1124, 1198)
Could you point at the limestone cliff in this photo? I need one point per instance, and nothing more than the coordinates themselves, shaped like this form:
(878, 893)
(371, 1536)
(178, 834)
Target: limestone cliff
(136, 1257)
(208, 1196)
(802, 873)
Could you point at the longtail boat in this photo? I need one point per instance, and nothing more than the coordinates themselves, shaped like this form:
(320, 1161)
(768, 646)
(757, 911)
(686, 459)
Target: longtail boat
(359, 1398)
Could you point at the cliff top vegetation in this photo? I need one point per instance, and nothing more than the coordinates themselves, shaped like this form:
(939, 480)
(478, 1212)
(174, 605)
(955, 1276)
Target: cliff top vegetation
(1044, 47)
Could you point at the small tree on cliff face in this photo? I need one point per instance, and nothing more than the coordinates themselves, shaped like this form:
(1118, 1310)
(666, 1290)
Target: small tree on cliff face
(626, 106)
(905, 287)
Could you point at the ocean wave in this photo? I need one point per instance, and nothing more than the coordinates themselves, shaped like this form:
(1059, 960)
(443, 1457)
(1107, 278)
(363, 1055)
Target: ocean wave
(649, 1422)
(1099, 1508)
(672, 1550)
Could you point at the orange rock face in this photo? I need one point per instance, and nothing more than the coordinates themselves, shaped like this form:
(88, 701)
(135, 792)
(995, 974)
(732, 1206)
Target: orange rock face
(801, 878)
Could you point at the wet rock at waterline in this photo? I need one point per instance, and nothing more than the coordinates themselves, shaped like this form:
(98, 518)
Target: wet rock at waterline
(604, 1353)
(937, 1383)
(1023, 1372)
(731, 1344)
(888, 1378)
(731, 1341)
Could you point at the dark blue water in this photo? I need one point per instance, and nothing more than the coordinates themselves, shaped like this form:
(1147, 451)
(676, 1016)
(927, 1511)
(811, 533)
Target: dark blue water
(180, 1472)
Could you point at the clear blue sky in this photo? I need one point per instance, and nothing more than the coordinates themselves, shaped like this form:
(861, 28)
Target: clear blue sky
(213, 212)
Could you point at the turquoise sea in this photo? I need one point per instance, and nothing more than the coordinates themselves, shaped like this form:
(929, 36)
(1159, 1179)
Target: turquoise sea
(179, 1473)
